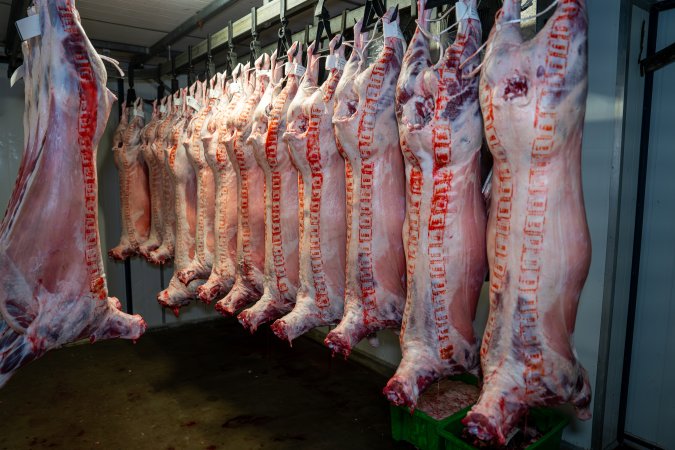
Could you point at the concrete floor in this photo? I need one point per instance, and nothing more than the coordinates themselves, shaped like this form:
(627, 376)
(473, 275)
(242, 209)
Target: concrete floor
(203, 386)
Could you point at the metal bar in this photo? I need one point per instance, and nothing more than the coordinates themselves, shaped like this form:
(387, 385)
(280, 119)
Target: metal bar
(267, 15)
(659, 60)
(336, 22)
(120, 47)
(664, 5)
(127, 264)
(17, 11)
(639, 219)
(205, 14)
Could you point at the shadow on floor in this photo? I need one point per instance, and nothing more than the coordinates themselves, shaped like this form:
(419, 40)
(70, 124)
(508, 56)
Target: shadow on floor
(204, 386)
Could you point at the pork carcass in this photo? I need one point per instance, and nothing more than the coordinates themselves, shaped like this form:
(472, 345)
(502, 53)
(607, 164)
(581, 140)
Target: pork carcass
(52, 284)
(444, 233)
(217, 133)
(159, 147)
(281, 198)
(118, 135)
(367, 132)
(155, 177)
(177, 294)
(533, 97)
(250, 200)
(311, 142)
(134, 188)
(200, 266)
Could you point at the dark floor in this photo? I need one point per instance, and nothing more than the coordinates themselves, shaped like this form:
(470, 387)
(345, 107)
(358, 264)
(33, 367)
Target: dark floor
(205, 386)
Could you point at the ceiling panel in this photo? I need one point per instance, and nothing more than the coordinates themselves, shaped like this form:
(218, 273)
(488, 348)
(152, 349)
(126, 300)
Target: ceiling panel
(120, 33)
(164, 15)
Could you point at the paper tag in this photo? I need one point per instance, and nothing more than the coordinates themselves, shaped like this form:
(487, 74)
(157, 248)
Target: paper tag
(17, 75)
(29, 27)
(138, 113)
(215, 93)
(331, 62)
(235, 87)
(263, 72)
(193, 103)
(465, 12)
(299, 70)
(391, 30)
(178, 102)
(341, 63)
(289, 68)
(162, 109)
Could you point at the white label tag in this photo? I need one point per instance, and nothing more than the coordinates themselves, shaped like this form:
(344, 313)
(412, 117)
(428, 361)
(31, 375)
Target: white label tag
(263, 73)
(138, 113)
(29, 27)
(193, 103)
(331, 62)
(17, 75)
(464, 12)
(215, 93)
(162, 109)
(234, 88)
(289, 68)
(341, 63)
(391, 30)
(178, 102)
(299, 70)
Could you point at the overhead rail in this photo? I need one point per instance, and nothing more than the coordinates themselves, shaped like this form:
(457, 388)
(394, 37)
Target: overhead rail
(265, 16)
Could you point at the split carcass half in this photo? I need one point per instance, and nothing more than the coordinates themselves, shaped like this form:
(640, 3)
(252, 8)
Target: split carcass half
(201, 264)
(159, 146)
(311, 139)
(533, 98)
(367, 133)
(251, 201)
(444, 234)
(52, 284)
(281, 199)
(118, 135)
(219, 131)
(134, 188)
(177, 294)
(155, 177)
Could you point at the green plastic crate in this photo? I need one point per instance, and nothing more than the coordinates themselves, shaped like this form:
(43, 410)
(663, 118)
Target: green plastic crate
(419, 428)
(549, 421)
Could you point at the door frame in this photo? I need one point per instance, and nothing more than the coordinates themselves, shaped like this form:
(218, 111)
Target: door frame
(654, 10)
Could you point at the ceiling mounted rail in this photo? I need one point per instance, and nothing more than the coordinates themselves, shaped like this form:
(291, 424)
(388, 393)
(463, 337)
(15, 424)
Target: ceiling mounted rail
(265, 16)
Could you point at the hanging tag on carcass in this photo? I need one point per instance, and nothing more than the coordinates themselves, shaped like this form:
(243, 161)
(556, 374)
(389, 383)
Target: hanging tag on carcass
(193, 103)
(29, 27)
(178, 102)
(263, 72)
(392, 30)
(162, 109)
(215, 93)
(17, 75)
(341, 63)
(234, 88)
(331, 62)
(139, 113)
(299, 70)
